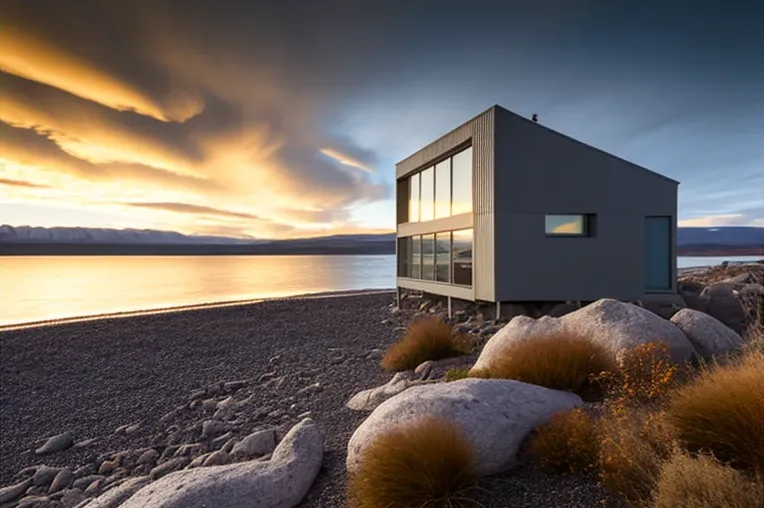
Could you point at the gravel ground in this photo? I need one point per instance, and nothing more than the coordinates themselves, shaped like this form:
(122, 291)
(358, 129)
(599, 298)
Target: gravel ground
(91, 377)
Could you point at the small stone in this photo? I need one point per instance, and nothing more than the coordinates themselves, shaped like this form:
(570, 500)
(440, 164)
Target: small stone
(255, 444)
(217, 458)
(34, 501)
(274, 359)
(198, 395)
(232, 386)
(94, 488)
(225, 409)
(87, 469)
(306, 414)
(133, 429)
(119, 493)
(56, 444)
(150, 456)
(212, 428)
(220, 440)
(44, 475)
(121, 429)
(209, 405)
(228, 446)
(199, 461)
(168, 467)
(175, 438)
(12, 492)
(27, 471)
(172, 414)
(315, 387)
(36, 491)
(187, 449)
(63, 479)
(215, 388)
(71, 497)
(276, 413)
(266, 377)
(169, 451)
(108, 467)
(84, 482)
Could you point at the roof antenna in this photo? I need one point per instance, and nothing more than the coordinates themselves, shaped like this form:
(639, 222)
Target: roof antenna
(535, 117)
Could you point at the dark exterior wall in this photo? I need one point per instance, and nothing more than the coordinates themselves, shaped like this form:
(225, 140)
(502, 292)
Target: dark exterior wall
(539, 172)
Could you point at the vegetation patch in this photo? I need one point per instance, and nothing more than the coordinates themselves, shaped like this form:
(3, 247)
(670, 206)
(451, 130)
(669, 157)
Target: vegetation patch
(425, 339)
(568, 443)
(428, 463)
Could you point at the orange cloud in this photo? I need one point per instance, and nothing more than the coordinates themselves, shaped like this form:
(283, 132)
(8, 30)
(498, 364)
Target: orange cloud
(346, 159)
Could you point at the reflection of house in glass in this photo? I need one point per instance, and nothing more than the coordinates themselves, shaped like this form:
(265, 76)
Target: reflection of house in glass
(503, 209)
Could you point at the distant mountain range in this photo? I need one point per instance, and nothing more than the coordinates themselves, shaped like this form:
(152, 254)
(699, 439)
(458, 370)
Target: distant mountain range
(22, 240)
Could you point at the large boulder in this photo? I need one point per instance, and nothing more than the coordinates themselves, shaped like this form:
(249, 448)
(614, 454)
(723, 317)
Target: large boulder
(708, 335)
(495, 415)
(618, 326)
(281, 482)
(725, 305)
(621, 326)
(116, 496)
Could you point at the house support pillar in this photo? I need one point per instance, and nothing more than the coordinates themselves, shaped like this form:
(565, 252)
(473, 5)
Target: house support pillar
(498, 311)
(398, 297)
(450, 309)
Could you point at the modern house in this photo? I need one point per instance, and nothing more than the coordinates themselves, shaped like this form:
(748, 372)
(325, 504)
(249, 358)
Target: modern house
(503, 209)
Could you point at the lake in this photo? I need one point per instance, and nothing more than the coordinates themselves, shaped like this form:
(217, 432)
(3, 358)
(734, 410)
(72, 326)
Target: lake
(38, 288)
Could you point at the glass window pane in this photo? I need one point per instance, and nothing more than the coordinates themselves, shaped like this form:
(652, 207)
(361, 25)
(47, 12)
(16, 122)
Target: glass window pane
(443, 257)
(565, 225)
(462, 256)
(414, 198)
(462, 182)
(657, 253)
(404, 257)
(428, 195)
(443, 189)
(428, 257)
(416, 257)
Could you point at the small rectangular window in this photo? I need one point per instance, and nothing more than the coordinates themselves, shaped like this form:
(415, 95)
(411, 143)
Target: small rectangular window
(569, 225)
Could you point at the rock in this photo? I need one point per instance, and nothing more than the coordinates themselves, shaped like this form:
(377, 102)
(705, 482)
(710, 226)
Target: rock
(94, 488)
(281, 482)
(71, 497)
(84, 443)
(438, 368)
(168, 467)
(84, 482)
(149, 457)
(225, 409)
(709, 336)
(34, 501)
(212, 428)
(56, 444)
(663, 309)
(12, 492)
(367, 400)
(306, 414)
(209, 405)
(108, 466)
(742, 278)
(133, 429)
(169, 451)
(233, 386)
(228, 446)
(496, 415)
(313, 388)
(562, 309)
(27, 471)
(197, 395)
(255, 444)
(63, 479)
(114, 498)
(724, 305)
(44, 475)
(85, 470)
(187, 449)
(217, 458)
(267, 377)
(172, 413)
(221, 440)
(121, 429)
(198, 461)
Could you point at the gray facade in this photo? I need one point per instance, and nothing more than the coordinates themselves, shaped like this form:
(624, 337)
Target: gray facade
(523, 174)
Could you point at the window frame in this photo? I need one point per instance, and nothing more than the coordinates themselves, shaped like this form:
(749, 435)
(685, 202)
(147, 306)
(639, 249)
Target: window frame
(589, 221)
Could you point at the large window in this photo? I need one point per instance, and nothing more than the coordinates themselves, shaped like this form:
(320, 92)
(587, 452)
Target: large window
(443, 257)
(442, 190)
(462, 182)
(569, 225)
(462, 255)
(414, 198)
(428, 195)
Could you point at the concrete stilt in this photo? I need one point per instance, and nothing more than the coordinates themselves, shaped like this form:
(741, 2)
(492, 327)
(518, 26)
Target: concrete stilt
(498, 310)
(398, 297)
(450, 309)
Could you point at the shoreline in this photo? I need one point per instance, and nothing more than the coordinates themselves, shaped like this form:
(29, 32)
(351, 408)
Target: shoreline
(191, 307)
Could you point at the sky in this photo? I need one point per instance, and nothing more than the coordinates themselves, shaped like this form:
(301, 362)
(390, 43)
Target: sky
(282, 120)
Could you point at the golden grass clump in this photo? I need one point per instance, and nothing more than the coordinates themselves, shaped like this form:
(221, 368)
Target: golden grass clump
(633, 445)
(559, 361)
(456, 374)
(428, 463)
(722, 412)
(568, 443)
(425, 339)
(703, 482)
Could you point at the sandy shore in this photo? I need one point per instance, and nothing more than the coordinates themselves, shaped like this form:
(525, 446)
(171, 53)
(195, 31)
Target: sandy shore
(91, 377)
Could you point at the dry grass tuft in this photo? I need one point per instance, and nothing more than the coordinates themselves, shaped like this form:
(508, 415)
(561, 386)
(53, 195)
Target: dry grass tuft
(427, 464)
(457, 374)
(425, 339)
(559, 361)
(722, 412)
(645, 375)
(703, 482)
(568, 443)
(633, 445)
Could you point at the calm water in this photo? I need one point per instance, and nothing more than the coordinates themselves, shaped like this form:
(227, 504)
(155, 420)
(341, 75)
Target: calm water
(36, 288)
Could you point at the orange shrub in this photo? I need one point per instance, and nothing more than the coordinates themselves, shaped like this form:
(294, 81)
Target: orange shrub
(559, 361)
(428, 463)
(722, 412)
(703, 482)
(425, 339)
(568, 443)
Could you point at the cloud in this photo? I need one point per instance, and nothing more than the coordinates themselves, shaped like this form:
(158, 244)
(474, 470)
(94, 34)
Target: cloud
(346, 159)
(21, 183)
(193, 209)
(730, 219)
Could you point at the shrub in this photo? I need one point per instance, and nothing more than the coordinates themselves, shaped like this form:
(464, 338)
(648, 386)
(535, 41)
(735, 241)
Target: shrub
(645, 374)
(559, 361)
(703, 482)
(457, 374)
(426, 339)
(633, 445)
(428, 463)
(722, 412)
(568, 443)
